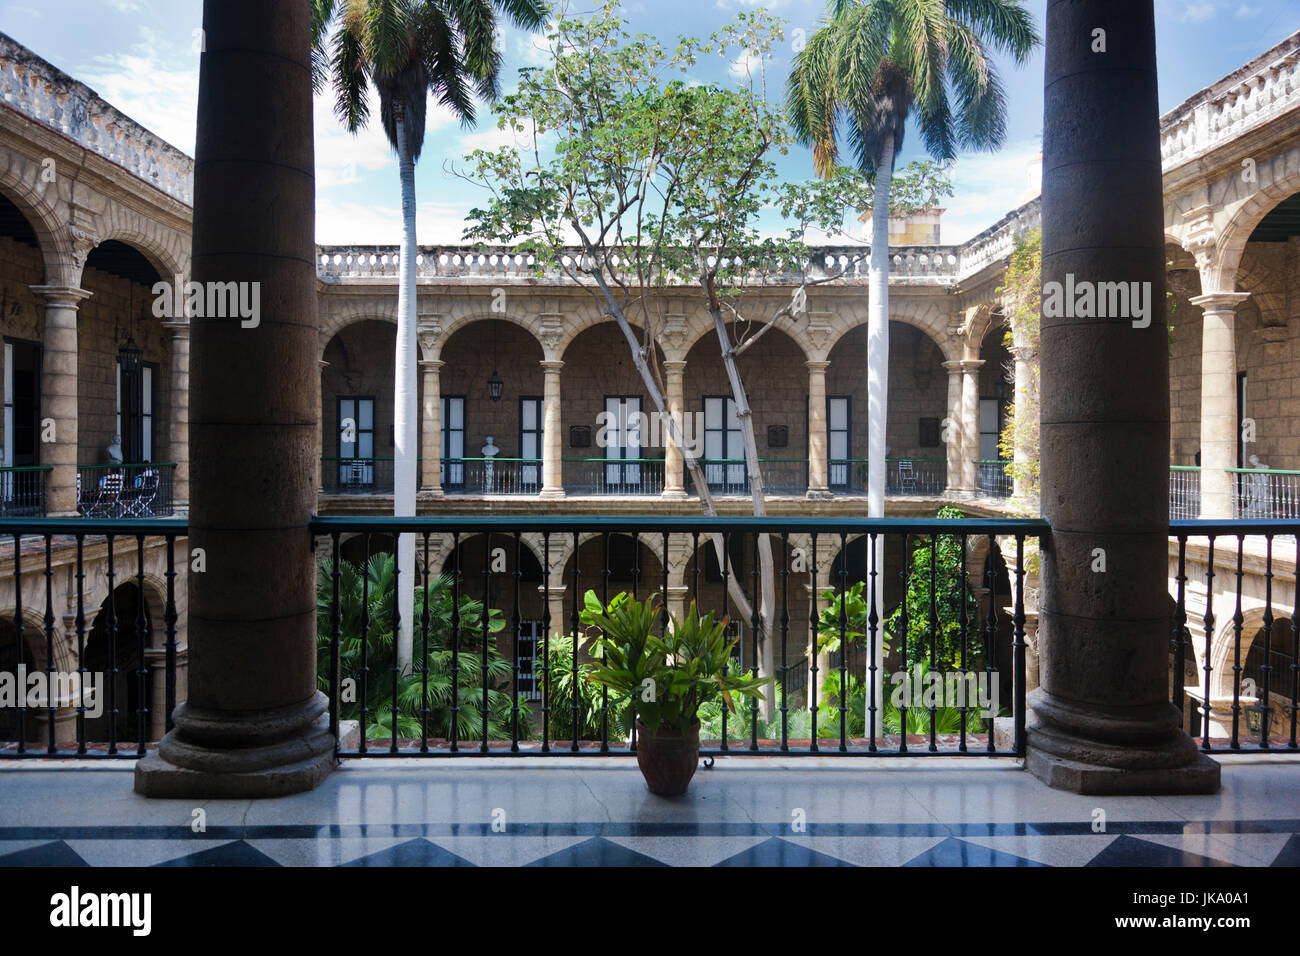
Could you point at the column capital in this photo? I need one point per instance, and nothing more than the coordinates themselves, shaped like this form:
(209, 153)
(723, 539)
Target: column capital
(66, 295)
(431, 365)
(177, 328)
(674, 365)
(963, 365)
(551, 365)
(1219, 301)
(817, 365)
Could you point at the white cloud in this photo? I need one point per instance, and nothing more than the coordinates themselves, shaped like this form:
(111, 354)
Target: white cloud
(1198, 12)
(987, 186)
(1247, 11)
(751, 4)
(747, 66)
(155, 82)
(364, 224)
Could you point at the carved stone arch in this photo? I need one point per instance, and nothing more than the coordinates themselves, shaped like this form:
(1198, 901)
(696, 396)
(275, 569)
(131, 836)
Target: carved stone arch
(34, 639)
(165, 249)
(340, 322)
(18, 174)
(699, 330)
(449, 326)
(1223, 646)
(1279, 178)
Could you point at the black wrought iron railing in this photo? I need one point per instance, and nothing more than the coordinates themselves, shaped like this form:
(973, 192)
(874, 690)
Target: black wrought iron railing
(103, 680)
(462, 693)
(1226, 704)
(993, 478)
(22, 490)
(492, 476)
(613, 476)
(135, 490)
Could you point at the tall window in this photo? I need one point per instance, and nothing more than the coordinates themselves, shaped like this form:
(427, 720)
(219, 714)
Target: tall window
(623, 441)
(530, 442)
(990, 425)
(22, 414)
(724, 449)
(453, 441)
(135, 419)
(356, 440)
(838, 439)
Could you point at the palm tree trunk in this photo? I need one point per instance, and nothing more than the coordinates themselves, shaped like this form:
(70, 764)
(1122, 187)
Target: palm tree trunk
(878, 388)
(405, 420)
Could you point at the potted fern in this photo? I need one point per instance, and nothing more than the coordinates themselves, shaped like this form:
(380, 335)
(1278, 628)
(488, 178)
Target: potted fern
(666, 678)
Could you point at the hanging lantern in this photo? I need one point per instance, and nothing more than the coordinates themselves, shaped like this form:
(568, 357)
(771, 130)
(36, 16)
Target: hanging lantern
(129, 355)
(494, 386)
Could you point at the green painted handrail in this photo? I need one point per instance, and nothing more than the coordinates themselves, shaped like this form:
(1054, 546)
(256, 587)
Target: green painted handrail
(1262, 471)
(14, 468)
(129, 464)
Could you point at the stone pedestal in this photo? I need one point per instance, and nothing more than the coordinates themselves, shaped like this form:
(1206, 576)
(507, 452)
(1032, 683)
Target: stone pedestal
(1101, 721)
(254, 724)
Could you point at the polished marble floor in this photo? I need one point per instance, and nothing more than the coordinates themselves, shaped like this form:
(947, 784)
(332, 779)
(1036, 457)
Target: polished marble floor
(587, 812)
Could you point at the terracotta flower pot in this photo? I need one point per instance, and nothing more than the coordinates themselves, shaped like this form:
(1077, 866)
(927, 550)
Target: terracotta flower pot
(667, 760)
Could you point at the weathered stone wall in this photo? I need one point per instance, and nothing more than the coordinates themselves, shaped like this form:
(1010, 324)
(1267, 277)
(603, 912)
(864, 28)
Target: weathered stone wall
(469, 357)
(102, 324)
(776, 384)
(918, 388)
(360, 364)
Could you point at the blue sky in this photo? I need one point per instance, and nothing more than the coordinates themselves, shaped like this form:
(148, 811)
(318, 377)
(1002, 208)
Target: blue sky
(142, 56)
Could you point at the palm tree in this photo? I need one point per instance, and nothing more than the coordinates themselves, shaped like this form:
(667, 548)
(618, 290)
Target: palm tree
(408, 49)
(859, 77)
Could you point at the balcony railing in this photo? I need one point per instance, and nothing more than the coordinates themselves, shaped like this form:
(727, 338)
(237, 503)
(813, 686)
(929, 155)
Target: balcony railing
(1265, 493)
(492, 476)
(614, 476)
(22, 490)
(142, 490)
(1228, 705)
(398, 714)
(993, 478)
(115, 690)
(730, 476)
(1184, 492)
(357, 476)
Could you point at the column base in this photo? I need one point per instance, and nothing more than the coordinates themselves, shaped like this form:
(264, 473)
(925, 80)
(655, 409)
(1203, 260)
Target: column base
(1110, 752)
(552, 494)
(819, 494)
(674, 494)
(432, 493)
(218, 755)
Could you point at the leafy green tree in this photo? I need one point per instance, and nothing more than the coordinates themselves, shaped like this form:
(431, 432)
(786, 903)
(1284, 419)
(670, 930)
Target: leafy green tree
(860, 76)
(661, 181)
(366, 606)
(408, 50)
(949, 591)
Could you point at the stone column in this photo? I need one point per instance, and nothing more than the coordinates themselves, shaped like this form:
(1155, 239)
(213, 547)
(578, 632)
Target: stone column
(431, 430)
(555, 607)
(818, 466)
(178, 415)
(970, 423)
(674, 463)
(1026, 403)
(321, 450)
(552, 434)
(1219, 437)
(951, 431)
(59, 396)
(1101, 721)
(254, 723)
